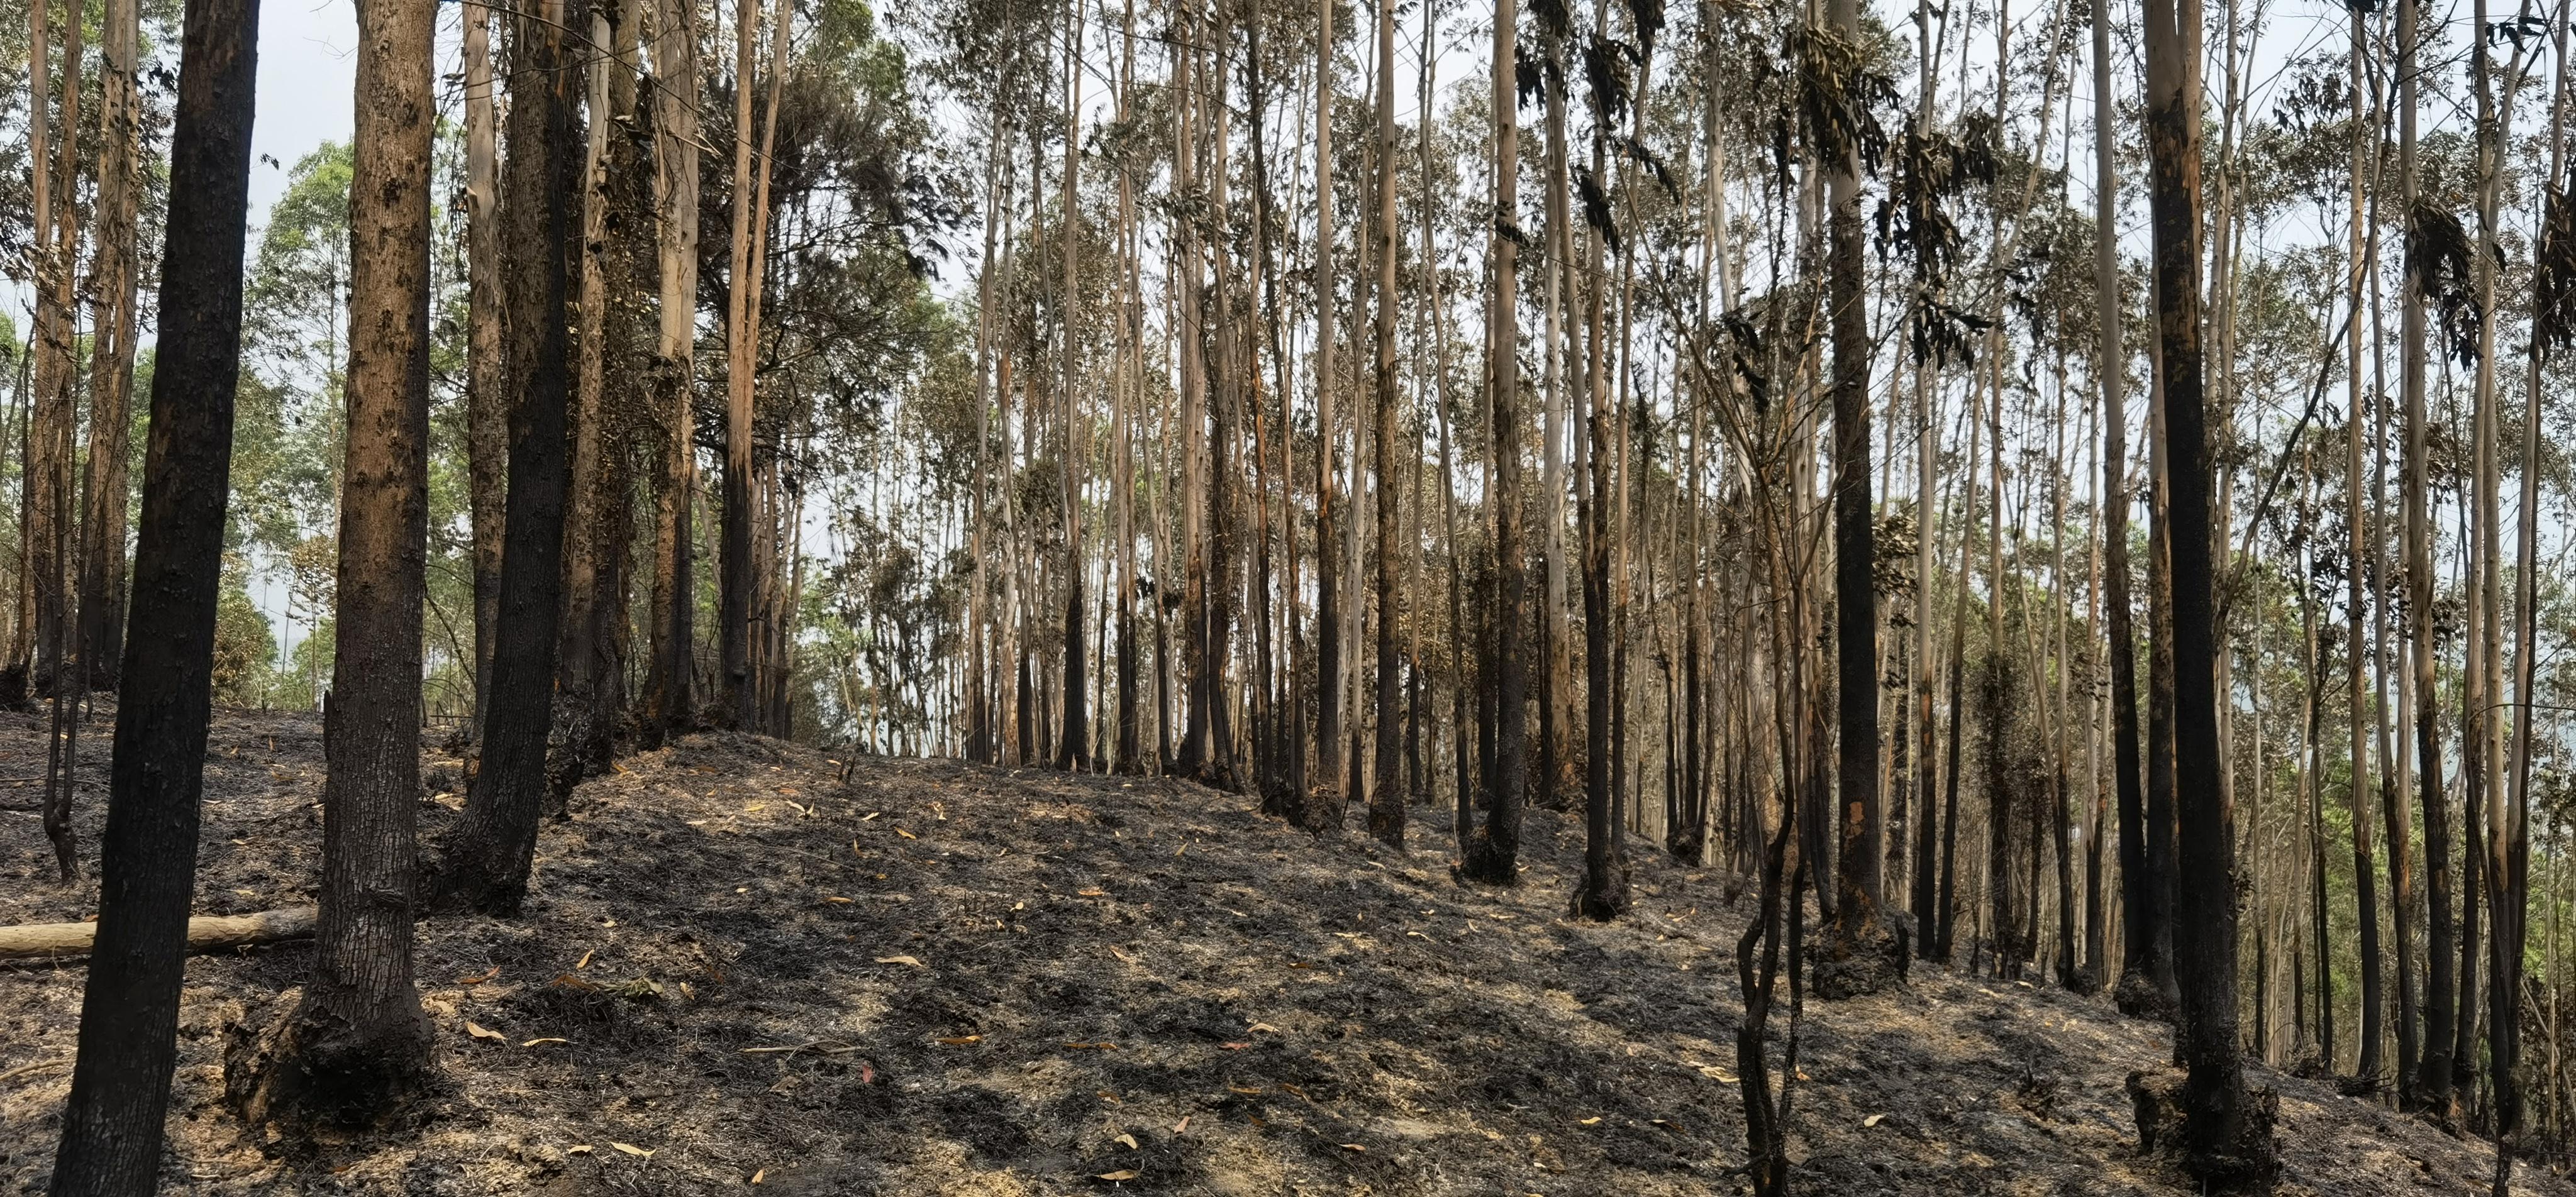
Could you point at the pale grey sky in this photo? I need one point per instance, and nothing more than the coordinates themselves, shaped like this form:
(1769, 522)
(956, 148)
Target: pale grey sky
(307, 74)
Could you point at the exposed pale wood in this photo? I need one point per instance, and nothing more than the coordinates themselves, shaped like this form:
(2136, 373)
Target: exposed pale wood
(206, 933)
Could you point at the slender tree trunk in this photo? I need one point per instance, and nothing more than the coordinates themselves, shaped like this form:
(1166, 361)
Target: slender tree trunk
(1325, 802)
(2433, 1075)
(1558, 758)
(46, 346)
(1492, 857)
(765, 696)
(358, 1044)
(736, 578)
(629, 353)
(2357, 638)
(1386, 799)
(1197, 747)
(487, 406)
(982, 743)
(112, 295)
(1124, 391)
(1073, 750)
(2227, 1131)
(1435, 306)
(2137, 991)
(1225, 404)
(1861, 861)
(2483, 768)
(2394, 748)
(671, 701)
(2509, 843)
(577, 654)
(48, 479)
(2311, 779)
(486, 859)
(112, 1124)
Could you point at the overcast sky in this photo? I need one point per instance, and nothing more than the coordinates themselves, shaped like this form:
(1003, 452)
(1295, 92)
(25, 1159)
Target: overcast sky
(308, 66)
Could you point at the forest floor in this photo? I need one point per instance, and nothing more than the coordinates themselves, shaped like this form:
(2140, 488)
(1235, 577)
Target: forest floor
(738, 968)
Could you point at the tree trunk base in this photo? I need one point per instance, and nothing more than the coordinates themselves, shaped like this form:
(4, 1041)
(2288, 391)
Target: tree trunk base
(1386, 825)
(578, 748)
(1604, 900)
(1861, 969)
(1280, 801)
(1487, 864)
(1325, 810)
(2138, 997)
(464, 885)
(306, 1070)
(2243, 1158)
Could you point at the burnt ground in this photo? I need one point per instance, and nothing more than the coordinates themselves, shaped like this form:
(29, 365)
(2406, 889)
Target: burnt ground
(737, 967)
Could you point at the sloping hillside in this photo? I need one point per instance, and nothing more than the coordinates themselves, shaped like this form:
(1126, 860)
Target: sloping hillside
(740, 965)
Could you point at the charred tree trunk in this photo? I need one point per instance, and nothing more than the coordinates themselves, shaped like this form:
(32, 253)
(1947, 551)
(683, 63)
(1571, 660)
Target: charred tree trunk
(1325, 802)
(112, 295)
(2138, 990)
(1493, 855)
(485, 862)
(1387, 797)
(1073, 747)
(358, 1044)
(1861, 863)
(2433, 1069)
(487, 405)
(670, 702)
(2227, 1135)
(736, 577)
(112, 1124)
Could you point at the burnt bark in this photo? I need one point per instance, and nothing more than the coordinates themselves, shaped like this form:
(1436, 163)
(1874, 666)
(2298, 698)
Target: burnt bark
(485, 862)
(2227, 1130)
(112, 1124)
(357, 1044)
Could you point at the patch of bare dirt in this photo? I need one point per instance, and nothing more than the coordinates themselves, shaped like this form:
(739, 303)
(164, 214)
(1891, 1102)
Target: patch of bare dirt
(930, 978)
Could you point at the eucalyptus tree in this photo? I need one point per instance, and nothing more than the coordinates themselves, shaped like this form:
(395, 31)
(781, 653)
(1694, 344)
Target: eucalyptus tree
(2227, 1130)
(484, 863)
(113, 1121)
(357, 1042)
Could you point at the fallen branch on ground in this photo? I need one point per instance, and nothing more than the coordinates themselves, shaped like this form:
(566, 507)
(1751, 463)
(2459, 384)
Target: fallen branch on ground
(206, 933)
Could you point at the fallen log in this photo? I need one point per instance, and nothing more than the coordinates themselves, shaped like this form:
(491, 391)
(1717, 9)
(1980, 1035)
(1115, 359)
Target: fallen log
(206, 933)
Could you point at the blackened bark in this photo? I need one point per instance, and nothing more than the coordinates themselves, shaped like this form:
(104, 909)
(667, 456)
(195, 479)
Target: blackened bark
(629, 353)
(735, 576)
(1603, 893)
(487, 405)
(1386, 800)
(2227, 1130)
(102, 565)
(1493, 856)
(120, 1090)
(2432, 1087)
(485, 861)
(2136, 989)
(2157, 877)
(1325, 805)
(1073, 748)
(1947, 929)
(670, 705)
(1861, 866)
(358, 1043)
